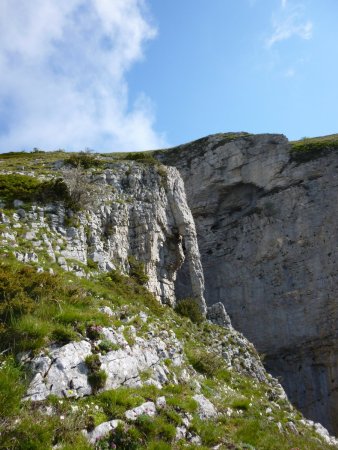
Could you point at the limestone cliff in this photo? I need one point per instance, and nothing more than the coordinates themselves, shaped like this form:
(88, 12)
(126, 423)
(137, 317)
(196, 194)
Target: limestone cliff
(141, 213)
(267, 232)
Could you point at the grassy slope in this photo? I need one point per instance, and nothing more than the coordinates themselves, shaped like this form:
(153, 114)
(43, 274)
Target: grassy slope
(39, 309)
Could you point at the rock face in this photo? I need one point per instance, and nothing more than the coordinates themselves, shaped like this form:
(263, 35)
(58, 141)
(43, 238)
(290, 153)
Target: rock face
(146, 215)
(62, 371)
(142, 213)
(267, 233)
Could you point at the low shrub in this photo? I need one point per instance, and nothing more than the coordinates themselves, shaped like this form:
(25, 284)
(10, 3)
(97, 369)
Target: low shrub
(143, 157)
(205, 362)
(115, 402)
(241, 403)
(53, 190)
(63, 334)
(93, 362)
(97, 380)
(97, 377)
(137, 270)
(183, 402)
(84, 192)
(94, 332)
(156, 427)
(85, 160)
(106, 346)
(122, 438)
(189, 308)
(39, 308)
(92, 264)
(30, 333)
(30, 189)
(21, 187)
(210, 432)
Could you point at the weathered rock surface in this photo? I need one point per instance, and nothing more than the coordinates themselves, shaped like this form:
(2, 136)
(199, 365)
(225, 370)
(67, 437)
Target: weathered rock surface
(62, 371)
(267, 233)
(206, 410)
(102, 430)
(147, 409)
(142, 212)
(217, 314)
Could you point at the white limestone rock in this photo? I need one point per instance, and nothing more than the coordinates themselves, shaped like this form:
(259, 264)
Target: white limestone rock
(161, 402)
(206, 410)
(102, 430)
(147, 408)
(106, 310)
(62, 372)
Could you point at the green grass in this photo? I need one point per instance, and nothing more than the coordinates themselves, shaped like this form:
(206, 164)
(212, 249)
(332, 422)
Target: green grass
(12, 387)
(30, 189)
(205, 361)
(189, 308)
(39, 309)
(137, 270)
(116, 402)
(307, 149)
(85, 160)
(143, 157)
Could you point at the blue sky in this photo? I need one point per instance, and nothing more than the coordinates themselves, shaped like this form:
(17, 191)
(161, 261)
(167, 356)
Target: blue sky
(125, 75)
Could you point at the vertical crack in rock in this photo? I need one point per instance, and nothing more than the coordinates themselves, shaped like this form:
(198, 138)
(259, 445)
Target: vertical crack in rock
(186, 227)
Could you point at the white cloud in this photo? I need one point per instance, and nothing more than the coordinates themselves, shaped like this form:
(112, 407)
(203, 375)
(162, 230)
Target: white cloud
(63, 72)
(289, 23)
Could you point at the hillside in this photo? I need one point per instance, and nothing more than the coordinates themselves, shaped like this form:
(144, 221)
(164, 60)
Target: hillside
(96, 351)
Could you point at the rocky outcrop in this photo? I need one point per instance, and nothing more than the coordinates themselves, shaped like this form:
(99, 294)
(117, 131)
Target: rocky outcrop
(186, 228)
(135, 359)
(142, 213)
(62, 371)
(267, 233)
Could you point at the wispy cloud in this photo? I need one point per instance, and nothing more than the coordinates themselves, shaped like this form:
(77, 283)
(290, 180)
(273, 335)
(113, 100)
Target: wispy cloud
(63, 68)
(289, 22)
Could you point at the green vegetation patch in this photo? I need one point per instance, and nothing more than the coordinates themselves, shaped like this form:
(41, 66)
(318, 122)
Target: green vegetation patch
(311, 148)
(37, 309)
(97, 377)
(205, 361)
(188, 307)
(85, 160)
(143, 157)
(40, 308)
(29, 189)
(12, 387)
(137, 270)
